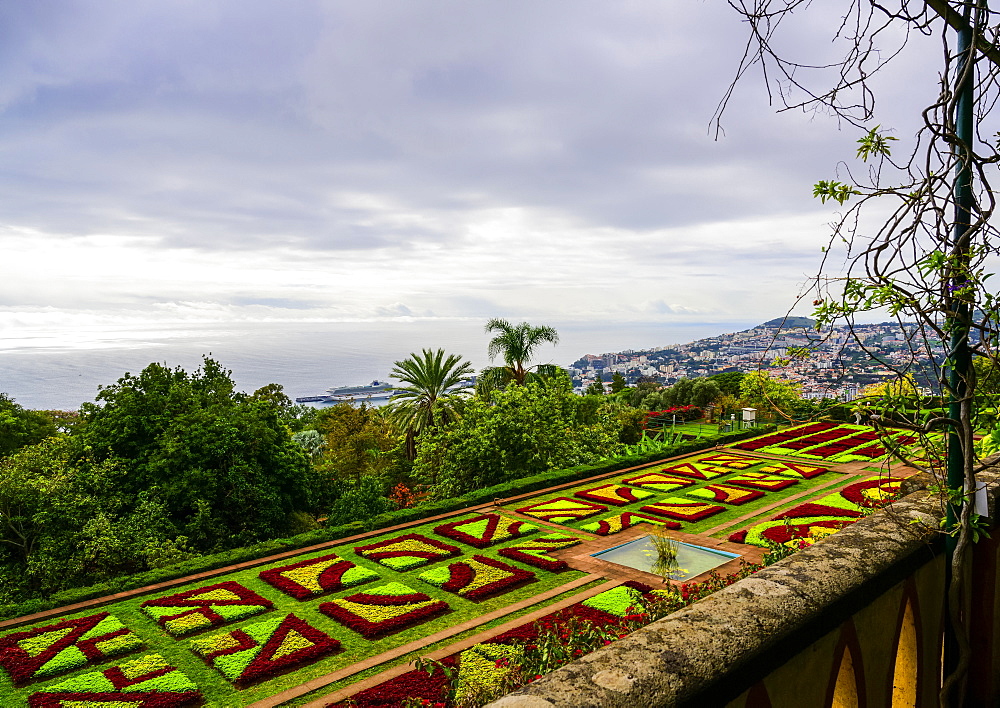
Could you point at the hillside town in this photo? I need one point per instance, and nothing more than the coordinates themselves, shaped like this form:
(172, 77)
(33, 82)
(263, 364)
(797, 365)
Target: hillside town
(833, 363)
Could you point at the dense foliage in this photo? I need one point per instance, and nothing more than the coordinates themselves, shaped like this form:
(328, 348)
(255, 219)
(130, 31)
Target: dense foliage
(516, 432)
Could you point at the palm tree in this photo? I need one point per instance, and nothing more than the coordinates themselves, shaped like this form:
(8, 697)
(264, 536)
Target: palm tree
(517, 344)
(436, 387)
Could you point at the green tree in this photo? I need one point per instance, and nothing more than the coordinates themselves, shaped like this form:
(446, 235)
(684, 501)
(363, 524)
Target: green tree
(618, 383)
(518, 431)
(728, 382)
(223, 462)
(760, 390)
(596, 388)
(357, 442)
(436, 387)
(63, 524)
(20, 427)
(517, 345)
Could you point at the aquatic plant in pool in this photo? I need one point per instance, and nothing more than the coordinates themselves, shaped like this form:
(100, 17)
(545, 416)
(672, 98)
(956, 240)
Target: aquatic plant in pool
(642, 554)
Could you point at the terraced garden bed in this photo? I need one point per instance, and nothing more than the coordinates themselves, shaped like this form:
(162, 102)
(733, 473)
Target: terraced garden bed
(357, 607)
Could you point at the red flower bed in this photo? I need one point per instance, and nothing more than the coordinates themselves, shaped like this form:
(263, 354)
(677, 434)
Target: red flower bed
(787, 532)
(855, 492)
(738, 537)
(316, 576)
(536, 551)
(726, 494)
(410, 550)
(413, 684)
(41, 652)
(778, 438)
(204, 607)
(811, 509)
(478, 578)
(613, 494)
(362, 613)
(157, 699)
(683, 510)
(291, 642)
(812, 440)
(484, 530)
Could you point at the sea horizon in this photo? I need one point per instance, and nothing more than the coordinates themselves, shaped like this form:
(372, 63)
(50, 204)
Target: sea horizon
(53, 371)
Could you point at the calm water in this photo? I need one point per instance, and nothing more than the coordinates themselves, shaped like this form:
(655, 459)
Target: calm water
(61, 370)
(691, 560)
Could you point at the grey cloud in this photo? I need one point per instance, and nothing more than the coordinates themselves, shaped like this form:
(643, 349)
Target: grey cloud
(232, 125)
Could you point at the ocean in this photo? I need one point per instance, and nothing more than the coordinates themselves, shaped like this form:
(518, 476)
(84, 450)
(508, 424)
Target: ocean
(62, 370)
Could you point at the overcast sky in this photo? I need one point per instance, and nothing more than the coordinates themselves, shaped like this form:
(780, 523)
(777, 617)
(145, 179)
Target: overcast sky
(552, 161)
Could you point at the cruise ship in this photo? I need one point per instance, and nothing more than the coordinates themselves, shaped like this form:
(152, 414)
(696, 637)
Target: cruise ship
(376, 390)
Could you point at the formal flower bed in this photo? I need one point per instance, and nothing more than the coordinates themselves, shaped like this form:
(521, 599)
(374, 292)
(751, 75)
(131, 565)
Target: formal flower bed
(409, 551)
(754, 444)
(149, 682)
(537, 551)
(613, 494)
(54, 649)
(831, 512)
(486, 671)
(658, 481)
(682, 509)
(562, 509)
(384, 610)
(736, 462)
(696, 470)
(317, 576)
(759, 480)
(477, 578)
(624, 520)
(725, 493)
(819, 439)
(485, 530)
(204, 607)
(263, 650)
(793, 469)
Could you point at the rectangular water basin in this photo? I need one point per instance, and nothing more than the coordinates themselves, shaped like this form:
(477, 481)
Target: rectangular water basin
(641, 555)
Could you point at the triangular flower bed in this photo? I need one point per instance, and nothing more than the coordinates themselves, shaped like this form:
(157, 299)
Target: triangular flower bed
(614, 494)
(536, 551)
(697, 471)
(725, 494)
(477, 578)
(683, 509)
(736, 462)
(658, 481)
(54, 649)
(317, 576)
(384, 610)
(793, 469)
(265, 649)
(759, 480)
(485, 530)
(562, 509)
(409, 551)
(149, 682)
(624, 520)
(204, 607)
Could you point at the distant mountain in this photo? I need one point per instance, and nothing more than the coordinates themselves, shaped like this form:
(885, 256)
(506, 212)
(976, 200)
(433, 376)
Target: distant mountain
(790, 322)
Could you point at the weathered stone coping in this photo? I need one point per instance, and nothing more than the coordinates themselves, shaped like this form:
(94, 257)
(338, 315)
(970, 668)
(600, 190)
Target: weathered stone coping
(717, 648)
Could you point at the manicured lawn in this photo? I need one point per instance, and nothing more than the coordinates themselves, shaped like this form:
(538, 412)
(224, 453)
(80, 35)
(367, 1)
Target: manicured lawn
(218, 691)
(396, 588)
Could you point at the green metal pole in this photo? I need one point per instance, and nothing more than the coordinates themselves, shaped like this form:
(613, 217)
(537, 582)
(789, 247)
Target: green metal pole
(958, 313)
(960, 356)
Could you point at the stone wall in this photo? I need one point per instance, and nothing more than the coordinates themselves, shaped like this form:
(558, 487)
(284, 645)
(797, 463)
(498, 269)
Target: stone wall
(855, 620)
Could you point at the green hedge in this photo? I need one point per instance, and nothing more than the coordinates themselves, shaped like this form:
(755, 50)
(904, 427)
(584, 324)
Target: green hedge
(402, 516)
